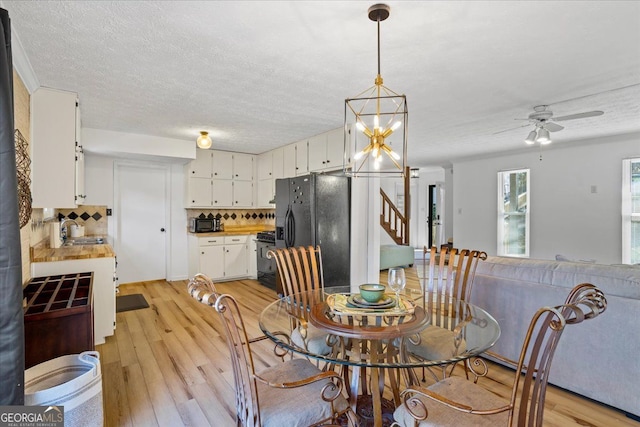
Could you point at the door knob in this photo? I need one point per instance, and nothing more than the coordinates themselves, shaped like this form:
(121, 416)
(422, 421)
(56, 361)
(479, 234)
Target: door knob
(162, 229)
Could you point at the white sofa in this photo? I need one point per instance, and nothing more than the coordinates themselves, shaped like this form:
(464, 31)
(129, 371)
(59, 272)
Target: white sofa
(599, 359)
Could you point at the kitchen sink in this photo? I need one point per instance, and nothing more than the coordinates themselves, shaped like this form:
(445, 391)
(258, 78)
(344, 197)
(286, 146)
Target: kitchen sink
(77, 241)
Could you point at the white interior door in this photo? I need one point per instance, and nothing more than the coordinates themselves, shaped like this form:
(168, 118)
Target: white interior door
(141, 202)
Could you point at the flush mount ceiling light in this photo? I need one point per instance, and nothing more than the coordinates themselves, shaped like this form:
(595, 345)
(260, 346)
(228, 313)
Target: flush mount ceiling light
(204, 140)
(379, 116)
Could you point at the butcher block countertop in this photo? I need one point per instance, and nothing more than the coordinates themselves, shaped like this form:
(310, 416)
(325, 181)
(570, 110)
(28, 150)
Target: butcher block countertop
(42, 252)
(237, 230)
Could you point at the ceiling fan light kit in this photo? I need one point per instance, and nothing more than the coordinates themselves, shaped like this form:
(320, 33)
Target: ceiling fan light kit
(376, 124)
(544, 122)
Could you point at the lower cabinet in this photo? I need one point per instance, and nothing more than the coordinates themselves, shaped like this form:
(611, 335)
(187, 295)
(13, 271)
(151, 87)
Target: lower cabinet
(104, 288)
(220, 258)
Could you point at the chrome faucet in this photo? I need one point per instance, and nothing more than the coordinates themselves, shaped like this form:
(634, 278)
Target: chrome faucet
(63, 230)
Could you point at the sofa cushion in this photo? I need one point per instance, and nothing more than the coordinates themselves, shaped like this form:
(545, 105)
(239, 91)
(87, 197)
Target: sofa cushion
(396, 256)
(623, 281)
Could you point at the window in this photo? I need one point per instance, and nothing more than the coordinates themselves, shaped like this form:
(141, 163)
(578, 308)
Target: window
(513, 213)
(631, 211)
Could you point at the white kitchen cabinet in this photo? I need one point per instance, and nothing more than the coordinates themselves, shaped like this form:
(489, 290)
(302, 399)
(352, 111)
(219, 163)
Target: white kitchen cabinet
(211, 178)
(221, 164)
(220, 258)
(236, 262)
(55, 133)
(265, 165)
(302, 157)
(252, 257)
(201, 166)
(221, 193)
(211, 261)
(326, 151)
(289, 160)
(243, 167)
(243, 194)
(278, 163)
(199, 192)
(266, 192)
(104, 288)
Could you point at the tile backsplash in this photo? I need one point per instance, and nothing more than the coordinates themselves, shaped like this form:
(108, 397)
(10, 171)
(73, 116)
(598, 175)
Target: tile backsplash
(93, 218)
(237, 217)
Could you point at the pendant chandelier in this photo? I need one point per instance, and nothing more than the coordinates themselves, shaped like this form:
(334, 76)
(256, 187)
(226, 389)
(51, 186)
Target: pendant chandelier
(376, 124)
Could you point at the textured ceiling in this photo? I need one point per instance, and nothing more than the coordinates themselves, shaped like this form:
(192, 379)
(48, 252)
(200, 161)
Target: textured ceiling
(259, 75)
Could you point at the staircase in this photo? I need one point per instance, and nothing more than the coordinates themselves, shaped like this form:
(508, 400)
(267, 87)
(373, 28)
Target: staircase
(394, 222)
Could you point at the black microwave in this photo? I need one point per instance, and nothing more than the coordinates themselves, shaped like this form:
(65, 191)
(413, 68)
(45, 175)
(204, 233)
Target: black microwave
(204, 225)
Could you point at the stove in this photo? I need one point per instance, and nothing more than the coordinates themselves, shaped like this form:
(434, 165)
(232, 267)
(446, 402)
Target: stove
(266, 236)
(265, 241)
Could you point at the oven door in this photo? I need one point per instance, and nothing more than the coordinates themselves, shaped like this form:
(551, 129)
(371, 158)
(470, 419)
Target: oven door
(266, 267)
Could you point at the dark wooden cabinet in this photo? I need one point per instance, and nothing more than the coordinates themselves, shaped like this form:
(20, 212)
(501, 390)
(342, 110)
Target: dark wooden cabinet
(58, 316)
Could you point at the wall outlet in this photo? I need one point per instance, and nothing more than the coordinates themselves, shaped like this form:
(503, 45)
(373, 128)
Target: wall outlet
(109, 212)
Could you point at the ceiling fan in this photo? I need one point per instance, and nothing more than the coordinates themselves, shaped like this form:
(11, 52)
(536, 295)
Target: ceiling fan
(544, 122)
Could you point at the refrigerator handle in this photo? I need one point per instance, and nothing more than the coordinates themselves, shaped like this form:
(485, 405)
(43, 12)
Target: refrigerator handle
(291, 234)
(286, 226)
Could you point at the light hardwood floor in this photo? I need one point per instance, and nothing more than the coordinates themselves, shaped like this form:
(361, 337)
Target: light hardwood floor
(168, 365)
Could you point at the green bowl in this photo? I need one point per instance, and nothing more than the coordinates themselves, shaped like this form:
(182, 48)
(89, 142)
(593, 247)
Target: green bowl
(372, 292)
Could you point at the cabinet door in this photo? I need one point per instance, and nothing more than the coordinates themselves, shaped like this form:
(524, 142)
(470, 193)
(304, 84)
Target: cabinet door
(80, 176)
(243, 194)
(265, 165)
(318, 152)
(199, 192)
(278, 163)
(222, 193)
(266, 192)
(201, 166)
(252, 257)
(289, 161)
(242, 167)
(235, 260)
(302, 158)
(335, 148)
(222, 165)
(53, 146)
(212, 261)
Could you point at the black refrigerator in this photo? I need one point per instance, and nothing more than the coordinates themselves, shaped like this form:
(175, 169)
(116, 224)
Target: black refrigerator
(315, 210)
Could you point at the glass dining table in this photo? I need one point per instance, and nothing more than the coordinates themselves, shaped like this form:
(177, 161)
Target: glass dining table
(367, 343)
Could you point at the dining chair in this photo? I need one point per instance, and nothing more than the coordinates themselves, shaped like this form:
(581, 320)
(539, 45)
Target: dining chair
(446, 280)
(300, 271)
(455, 401)
(291, 393)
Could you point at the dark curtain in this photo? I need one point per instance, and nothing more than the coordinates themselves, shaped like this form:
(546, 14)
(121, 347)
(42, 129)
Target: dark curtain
(11, 316)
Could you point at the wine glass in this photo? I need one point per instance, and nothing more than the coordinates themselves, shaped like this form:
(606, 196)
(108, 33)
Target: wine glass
(397, 282)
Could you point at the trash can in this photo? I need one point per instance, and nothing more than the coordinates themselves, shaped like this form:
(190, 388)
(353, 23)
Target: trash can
(74, 382)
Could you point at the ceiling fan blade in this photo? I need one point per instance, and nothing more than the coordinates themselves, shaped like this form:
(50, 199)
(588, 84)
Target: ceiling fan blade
(552, 127)
(510, 129)
(579, 116)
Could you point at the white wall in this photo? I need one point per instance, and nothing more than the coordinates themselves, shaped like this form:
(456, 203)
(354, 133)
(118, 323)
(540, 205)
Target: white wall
(99, 189)
(131, 145)
(567, 217)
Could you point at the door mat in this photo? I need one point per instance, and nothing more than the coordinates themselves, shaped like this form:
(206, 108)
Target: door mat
(130, 302)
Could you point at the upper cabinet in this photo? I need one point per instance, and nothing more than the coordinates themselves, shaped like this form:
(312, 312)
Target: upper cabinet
(220, 179)
(56, 151)
(326, 151)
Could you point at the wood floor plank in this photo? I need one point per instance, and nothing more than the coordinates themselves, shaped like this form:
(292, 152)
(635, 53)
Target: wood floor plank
(138, 396)
(169, 364)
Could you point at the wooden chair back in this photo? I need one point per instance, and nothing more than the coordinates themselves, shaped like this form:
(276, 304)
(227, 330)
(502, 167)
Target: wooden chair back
(300, 271)
(584, 302)
(448, 276)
